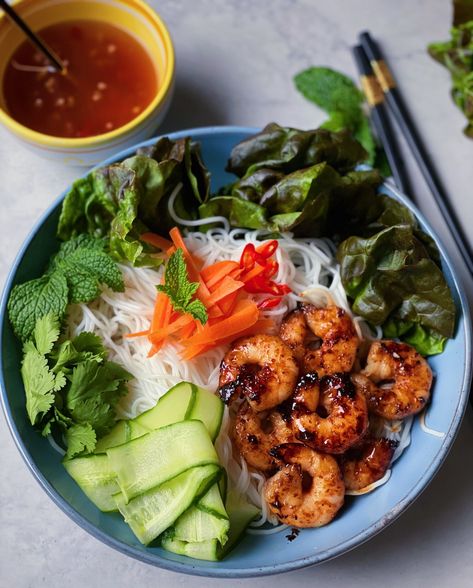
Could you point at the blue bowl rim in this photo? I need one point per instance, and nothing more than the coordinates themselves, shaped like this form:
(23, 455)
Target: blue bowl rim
(279, 568)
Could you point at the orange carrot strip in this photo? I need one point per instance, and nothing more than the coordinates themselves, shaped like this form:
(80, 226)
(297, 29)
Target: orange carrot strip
(261, 326)
(187, 331)
(154, 349)
(156, 241)
(162, 301)
(193, 270)
(227, 286)
(213, 274)
(253, 273)
(228, 303)
(171, 328)
(245, 315)
(137, 334)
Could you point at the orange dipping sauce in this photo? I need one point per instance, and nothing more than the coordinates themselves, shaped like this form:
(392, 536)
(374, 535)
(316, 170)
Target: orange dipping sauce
(110, 79)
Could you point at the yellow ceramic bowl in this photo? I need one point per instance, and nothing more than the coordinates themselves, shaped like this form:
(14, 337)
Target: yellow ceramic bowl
(133, 16)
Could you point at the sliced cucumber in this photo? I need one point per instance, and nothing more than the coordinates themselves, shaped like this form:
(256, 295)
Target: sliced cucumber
(240, 513)
(212, 503)
(184, 401)
(173, 407)
(137, 429)
(95, 478)
(151, 460)
(157, 509)
(208, 408)
(196, 525)
(121, 433)
(205, 520)
(206, 550)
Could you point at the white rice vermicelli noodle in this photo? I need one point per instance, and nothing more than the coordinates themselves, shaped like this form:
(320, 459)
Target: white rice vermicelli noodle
(308, 267)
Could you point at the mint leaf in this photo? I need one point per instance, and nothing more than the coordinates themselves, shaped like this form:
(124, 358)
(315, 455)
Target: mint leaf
(40, 383)
(79, 439)
(86, 266)
(197, 309)
(364, 135)
(75, 274)
(180, 290)
(34, 299)
(331, 91)
(46, 333)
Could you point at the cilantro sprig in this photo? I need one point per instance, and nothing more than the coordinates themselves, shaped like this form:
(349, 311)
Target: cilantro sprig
(180, 289)
(75, 274)
(71, 389)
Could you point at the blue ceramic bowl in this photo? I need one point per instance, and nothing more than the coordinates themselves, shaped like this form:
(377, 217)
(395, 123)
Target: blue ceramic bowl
(363, 516)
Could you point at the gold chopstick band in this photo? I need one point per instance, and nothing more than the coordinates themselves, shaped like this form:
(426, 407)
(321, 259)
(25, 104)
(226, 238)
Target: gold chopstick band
(385, 79)
(372, 90)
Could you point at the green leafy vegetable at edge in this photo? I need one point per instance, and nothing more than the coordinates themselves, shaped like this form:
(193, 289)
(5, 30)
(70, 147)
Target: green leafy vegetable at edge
(124, 200)
(339, 97)
(180, 290)
(75, 274)
(71, 389)
(455, 55)
(393, 282)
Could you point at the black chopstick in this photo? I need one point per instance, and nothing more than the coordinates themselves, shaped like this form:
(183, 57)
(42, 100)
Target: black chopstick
(405, 123)
(380, 121)
(46, 51)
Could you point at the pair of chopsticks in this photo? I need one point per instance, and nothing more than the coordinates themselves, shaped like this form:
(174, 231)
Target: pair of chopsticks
(380, 90)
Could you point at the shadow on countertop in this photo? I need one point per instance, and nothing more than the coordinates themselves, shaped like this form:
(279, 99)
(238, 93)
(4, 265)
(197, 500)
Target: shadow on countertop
(192, 107)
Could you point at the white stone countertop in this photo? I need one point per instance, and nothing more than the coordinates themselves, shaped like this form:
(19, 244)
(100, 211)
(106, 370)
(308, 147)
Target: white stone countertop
(235, 62)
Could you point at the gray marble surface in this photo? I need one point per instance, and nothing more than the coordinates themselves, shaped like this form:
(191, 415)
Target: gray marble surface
(235, 61)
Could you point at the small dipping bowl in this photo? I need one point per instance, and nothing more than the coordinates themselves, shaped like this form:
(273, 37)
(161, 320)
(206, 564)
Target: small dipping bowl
(132, 16)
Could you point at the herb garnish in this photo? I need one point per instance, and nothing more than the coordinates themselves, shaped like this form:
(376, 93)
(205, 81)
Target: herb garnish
(180, 290)
(75, 274)
(71, 389)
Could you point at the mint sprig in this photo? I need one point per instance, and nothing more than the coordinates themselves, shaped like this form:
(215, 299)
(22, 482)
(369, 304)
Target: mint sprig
(75, 274)
(180, 289)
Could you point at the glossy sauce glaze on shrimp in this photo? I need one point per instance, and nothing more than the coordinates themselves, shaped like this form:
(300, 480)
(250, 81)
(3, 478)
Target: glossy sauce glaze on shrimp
(398, 380)
(256, 433)
(308, 490)
(261, 369)
(324, 340)
(330, 415)
(307, 415)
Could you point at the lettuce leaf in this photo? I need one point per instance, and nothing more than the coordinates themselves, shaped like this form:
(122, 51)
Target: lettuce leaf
(126, 199)
(287, 149)
(456, 55)
(391, 279)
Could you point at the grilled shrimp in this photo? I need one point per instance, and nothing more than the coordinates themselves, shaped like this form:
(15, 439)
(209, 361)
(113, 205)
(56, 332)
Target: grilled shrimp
(323, 339)
(308, 491)
(295, 333)
(256, 433)
(397, 380)
(367, 463)
(329, 415)
(261, 368)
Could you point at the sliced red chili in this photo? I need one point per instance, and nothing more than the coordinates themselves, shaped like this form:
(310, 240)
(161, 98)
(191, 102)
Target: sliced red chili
(268, 303)
(271, 268)
(261, 282)
(248, 257)
(268, 249)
